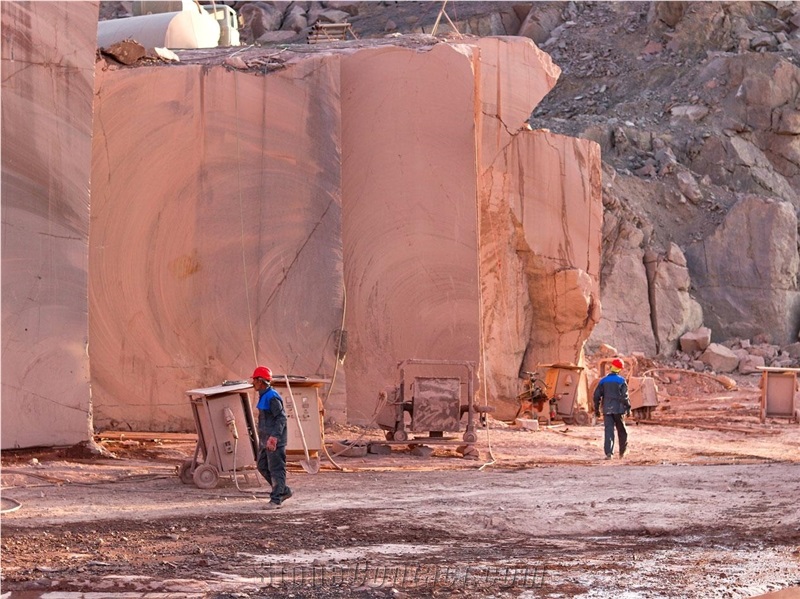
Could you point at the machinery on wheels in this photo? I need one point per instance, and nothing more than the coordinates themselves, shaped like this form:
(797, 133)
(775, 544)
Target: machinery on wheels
(227, 435)
(434, 397)
(551, 393)
(227, 438)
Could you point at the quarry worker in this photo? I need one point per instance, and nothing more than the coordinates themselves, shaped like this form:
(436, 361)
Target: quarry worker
(272, 437)
(612, 391)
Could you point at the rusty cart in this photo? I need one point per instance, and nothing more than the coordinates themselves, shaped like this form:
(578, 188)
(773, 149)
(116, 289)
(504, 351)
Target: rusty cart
(433, 397)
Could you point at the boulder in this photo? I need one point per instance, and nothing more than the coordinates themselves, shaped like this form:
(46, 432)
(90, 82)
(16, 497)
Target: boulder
(750, 364)
(764, 350)
(696, 340)
(328, 15)
(668, 13)
(295, 19)
(278, 37)
(258, 18)
(689, 187)
(745, 273)
(540, 22)
(351, 8)
(625, 322)
(792, 350)
(719, 358)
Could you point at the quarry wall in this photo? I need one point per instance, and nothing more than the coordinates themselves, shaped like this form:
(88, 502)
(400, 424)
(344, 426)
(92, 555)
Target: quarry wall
(356, 207)
(48, 82)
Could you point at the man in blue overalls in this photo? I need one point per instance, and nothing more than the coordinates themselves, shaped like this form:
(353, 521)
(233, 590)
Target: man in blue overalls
(613, 391)
(272, 437)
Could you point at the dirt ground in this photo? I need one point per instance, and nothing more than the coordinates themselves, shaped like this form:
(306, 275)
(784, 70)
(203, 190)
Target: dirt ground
(706, 504)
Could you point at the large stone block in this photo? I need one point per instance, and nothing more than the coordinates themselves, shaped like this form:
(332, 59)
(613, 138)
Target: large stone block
(541, 216)
(216, 234)
(410, 214)
(47, 143)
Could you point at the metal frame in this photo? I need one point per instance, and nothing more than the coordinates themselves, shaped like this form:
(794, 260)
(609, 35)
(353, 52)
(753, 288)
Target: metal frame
(305, 419)
(400, 401)
(205, 472)
(770, 378)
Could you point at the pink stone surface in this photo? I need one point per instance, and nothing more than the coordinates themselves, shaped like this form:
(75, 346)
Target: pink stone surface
(232, 209)
(513, 76)
(410, 214)
(216, 234)
(47, 84)
(541, 214)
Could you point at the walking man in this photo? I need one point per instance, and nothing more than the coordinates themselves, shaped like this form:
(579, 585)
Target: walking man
(272, 437)
(612, 391)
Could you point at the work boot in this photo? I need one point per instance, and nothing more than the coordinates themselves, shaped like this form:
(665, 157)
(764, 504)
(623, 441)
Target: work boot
(609, 456)
(272, 506)
(286, 494)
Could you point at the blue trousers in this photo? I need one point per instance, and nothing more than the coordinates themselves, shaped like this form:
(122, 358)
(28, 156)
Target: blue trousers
(272, 466)
(612, 421)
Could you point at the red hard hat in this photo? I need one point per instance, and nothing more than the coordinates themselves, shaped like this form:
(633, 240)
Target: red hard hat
(262, 372)
(617, 364)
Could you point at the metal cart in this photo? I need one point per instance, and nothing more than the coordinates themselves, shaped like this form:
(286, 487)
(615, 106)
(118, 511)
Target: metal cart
(432, 396)
(227, 438)
(305, 418)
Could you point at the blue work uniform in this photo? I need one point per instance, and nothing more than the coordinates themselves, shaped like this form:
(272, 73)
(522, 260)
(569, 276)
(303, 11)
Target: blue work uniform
(272, 423)
(612, 390)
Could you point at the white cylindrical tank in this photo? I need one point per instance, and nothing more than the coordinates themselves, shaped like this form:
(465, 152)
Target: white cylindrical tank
(151, 7)
(177, 30)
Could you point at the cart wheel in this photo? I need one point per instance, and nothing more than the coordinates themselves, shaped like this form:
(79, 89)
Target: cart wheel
(311, 465)
(582, 418)
(400, 436)
(389, 435)
(470, 437)
(205, 476)
(185, 472)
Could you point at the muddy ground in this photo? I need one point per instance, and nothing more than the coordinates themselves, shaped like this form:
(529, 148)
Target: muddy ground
(706, 504)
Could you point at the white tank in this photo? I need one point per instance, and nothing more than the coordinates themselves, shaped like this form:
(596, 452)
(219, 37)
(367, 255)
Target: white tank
(151, 7)
(176, 30)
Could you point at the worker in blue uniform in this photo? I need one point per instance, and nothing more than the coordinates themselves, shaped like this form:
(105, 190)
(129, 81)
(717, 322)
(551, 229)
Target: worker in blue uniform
(272, 437)
(612, 391)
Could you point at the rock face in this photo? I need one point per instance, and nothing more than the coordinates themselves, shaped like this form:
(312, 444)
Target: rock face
(46, 165)
(745, 273)
(540, 291)
(220, 247)
(347, 178)
(410, 214)
(675, 310)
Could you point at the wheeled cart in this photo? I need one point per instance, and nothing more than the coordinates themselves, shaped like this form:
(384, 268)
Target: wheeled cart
(227, 438)
(432, 396)
(304, 418)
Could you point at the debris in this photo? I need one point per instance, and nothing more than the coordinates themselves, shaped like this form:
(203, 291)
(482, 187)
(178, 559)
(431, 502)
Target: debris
(127, 51)
(164, 54)
(422, 451)
(236, 62)
(727, 382)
